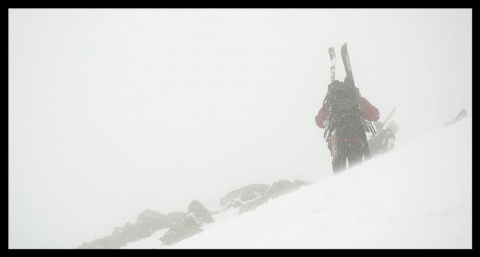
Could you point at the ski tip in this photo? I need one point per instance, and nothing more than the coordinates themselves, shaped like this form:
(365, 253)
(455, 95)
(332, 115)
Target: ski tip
(331, 51)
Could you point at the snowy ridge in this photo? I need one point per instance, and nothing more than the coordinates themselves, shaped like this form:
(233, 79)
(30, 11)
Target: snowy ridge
(417, 197)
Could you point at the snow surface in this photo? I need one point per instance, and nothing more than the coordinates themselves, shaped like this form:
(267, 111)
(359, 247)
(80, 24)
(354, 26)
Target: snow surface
(416, 197)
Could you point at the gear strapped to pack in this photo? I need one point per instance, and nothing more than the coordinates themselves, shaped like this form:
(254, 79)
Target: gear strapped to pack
(343, 110)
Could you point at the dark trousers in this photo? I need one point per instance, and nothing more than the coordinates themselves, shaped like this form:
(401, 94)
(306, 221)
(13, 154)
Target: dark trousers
(346, 152)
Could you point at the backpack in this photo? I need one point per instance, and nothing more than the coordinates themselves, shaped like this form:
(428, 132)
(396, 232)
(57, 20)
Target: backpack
(344, 113)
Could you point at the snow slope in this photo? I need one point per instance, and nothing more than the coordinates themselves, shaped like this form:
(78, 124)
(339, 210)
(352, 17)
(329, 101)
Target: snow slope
(418, 196)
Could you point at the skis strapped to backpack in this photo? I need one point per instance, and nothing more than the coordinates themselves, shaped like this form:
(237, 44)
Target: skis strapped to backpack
(331, 52)
(349, 98)
(348, 70)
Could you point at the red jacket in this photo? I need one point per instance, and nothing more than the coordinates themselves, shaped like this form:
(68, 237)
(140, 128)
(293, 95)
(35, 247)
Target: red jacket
(370, 113)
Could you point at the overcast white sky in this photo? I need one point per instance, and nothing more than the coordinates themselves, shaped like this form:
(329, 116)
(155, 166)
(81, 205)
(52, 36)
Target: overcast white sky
(407, 199)
(113, 111)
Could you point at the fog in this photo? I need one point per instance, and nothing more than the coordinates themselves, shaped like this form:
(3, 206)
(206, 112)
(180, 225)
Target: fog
(405, 199)
(113, 111)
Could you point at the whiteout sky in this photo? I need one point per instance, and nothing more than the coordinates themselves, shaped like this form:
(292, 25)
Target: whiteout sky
(113, 111)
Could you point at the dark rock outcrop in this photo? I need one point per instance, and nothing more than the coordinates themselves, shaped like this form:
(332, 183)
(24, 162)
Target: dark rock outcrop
(200, 212)
(239, 197)
(175, 217)
(197, 216)
(184, 225)
(147, 222)
(277, 189)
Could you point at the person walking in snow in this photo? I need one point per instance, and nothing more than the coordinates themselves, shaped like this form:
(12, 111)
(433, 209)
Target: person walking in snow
(342, 116)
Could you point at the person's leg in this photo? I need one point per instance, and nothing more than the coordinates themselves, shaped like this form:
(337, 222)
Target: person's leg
(355, 154)
(339, 157)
